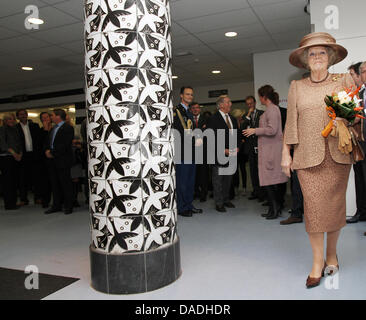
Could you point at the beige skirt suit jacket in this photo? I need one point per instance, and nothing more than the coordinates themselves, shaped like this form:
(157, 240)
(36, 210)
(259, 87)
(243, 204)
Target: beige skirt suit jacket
(322, 169)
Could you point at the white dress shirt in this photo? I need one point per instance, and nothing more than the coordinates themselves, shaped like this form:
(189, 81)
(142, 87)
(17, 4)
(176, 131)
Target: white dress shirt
(251, 118)
(27, 136)
(224, 116)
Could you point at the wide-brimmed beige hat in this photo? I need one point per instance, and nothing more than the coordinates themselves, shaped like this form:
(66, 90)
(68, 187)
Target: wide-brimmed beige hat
(313, 40)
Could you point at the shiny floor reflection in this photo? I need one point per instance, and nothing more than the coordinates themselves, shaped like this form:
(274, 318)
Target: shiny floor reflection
(233, 255)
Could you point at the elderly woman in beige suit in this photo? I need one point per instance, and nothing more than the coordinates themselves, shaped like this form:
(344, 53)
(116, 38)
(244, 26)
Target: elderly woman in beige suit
(322, 169)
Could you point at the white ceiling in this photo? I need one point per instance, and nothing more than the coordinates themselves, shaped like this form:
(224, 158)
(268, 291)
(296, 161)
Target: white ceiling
(56, 49)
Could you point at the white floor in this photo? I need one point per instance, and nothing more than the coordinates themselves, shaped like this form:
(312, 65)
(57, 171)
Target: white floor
(240, 257)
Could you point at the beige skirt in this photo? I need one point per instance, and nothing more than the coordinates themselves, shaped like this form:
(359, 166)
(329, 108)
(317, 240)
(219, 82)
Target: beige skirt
(324, 190)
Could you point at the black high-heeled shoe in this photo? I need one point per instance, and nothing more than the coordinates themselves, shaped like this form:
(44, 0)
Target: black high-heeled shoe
(272, 196)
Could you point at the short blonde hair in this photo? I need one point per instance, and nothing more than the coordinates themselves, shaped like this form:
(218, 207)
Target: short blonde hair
(237, 113)
(332, 57)
(8, 116)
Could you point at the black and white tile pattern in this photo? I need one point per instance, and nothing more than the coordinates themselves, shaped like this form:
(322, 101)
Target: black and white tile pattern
(130, 113)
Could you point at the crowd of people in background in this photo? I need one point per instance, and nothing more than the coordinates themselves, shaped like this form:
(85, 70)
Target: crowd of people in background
(260, 138)
(255, 145)
(48, 163)
(51, 164)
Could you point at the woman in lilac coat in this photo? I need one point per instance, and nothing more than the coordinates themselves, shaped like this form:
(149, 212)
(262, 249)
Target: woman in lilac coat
(270, 149)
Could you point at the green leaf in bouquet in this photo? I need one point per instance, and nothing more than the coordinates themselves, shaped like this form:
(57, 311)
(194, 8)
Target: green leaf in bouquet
(346, 111)
(328, 100)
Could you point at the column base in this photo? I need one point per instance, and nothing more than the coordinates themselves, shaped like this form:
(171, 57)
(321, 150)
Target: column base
(136, 272)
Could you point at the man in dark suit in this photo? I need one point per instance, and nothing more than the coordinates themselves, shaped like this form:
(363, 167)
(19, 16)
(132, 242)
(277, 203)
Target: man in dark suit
(186, 169)
(242, 160)
(360, 167)
(362, 70)
(282, 187)
(202, 169)
(223, 121)
(297, 209)
(251, 120)
(29, 169)
(59, 151)
(84, 148)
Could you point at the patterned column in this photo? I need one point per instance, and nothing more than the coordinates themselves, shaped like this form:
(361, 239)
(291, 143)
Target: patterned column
(135, 247)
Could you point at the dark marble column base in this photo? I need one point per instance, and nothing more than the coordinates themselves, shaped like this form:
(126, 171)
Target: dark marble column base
(136, 272)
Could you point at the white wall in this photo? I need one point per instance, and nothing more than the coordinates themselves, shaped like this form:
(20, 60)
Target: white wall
(273, 68)
(351, 17)
(351, 31)
(237, 91)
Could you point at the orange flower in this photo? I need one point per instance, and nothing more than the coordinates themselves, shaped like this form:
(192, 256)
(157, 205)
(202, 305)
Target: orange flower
(355, 92)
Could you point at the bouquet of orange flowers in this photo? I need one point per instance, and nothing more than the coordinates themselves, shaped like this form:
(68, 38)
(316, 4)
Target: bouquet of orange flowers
(345, 104)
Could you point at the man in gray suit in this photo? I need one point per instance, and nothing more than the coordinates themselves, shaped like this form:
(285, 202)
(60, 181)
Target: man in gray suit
(223, 122)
